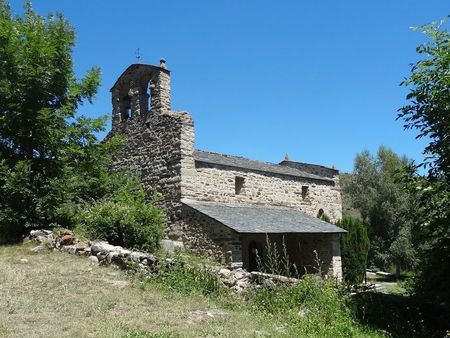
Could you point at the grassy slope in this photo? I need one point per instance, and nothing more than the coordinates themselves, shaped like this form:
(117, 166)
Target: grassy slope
(60, 295)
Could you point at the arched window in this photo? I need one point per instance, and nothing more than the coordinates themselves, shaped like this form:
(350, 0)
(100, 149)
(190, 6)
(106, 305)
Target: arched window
(320, 213)
(126, 107)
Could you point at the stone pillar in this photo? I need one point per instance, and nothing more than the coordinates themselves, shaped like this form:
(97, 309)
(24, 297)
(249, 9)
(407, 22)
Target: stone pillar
(117, 111)
(336, 257)
(160, 89)
(188, 171)
(134, 94)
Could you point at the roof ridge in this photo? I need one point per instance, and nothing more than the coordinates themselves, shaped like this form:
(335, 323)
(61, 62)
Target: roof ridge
(241, 157)
(270, 167)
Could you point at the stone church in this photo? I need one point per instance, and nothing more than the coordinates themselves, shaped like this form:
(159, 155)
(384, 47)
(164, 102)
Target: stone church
(220, 205)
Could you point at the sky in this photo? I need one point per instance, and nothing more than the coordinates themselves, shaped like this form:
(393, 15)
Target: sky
(319, 80)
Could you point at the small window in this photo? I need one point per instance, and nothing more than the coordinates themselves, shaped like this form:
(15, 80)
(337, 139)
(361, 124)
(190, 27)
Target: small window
(320, 213)
(305, 191)
(238, 184)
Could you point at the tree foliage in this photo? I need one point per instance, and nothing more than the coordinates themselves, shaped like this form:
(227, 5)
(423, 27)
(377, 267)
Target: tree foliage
(376, 191)
(44, 146)
(126, 218)
(53, 169)
(354, 249)
(428, 112)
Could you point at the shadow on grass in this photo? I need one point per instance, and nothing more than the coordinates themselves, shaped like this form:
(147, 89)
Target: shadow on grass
(402, 316)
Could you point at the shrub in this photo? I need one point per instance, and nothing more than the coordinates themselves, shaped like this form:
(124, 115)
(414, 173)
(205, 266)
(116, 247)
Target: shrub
(313, 307)
(191, 279)
(354, 249)
(125, 219)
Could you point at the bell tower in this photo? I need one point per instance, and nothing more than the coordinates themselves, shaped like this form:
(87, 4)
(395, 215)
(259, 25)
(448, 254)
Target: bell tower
(142, 91)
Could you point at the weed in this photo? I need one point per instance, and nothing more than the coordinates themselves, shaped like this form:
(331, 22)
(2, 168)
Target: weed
(190, 279)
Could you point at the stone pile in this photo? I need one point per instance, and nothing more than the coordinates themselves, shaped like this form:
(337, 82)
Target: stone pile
(237, 279)
(103, 253)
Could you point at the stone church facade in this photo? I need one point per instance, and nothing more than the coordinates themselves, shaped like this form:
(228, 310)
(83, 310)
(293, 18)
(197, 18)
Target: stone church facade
(219, 205)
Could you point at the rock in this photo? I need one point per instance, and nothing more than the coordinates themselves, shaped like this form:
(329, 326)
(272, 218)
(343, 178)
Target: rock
(72, 249)
(102, 247)
(240, 274)
(101, 256)
(231, 281)
(37, 249)
(225, 273)
(81, 246)
(137, 256)
(124, 252)
(170, 246)
(24, 261)
(243, 284)
(42, 239)
(37, 233)
(151, 260)
(67, 240)
(65, 232)
(93, 259)
(69, 248)
(95, 249)
(110, 258)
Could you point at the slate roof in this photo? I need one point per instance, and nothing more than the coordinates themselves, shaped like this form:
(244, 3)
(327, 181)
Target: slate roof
(245, 218)
(244, 163)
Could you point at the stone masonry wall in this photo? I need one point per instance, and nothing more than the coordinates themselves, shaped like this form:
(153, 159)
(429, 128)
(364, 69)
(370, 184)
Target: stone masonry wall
(217, 183)
(208, 237)
(152, 149)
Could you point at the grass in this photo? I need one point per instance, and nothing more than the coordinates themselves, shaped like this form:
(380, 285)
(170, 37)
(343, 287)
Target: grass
(388, 283)
(59, 295)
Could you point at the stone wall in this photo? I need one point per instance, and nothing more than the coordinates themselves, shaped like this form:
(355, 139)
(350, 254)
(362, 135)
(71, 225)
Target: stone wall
(207, 237)
(216, 183)
(152, 150)
(153, 140)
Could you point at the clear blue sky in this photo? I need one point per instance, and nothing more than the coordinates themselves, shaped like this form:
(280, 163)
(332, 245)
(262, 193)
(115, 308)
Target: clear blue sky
(316, 79)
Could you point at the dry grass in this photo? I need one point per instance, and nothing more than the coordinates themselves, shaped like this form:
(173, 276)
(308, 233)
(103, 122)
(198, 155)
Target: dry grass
(60, 295)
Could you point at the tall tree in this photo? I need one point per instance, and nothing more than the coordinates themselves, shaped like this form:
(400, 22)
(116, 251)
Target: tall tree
(374, 190)
(428, 112)
(46, 150)
(354, 249)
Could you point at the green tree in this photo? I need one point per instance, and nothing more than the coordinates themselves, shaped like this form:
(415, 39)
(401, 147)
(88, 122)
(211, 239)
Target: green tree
(354, 249)
(42, 141)
(375, 190)
(428, 112)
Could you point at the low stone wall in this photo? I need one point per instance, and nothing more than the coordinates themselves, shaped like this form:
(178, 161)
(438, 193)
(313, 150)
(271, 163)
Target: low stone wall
(103, 253)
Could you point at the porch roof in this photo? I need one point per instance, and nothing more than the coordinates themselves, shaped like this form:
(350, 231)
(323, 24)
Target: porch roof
(245, 218)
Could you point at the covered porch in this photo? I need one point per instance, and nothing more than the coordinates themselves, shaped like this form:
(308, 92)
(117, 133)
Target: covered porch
(268, 235)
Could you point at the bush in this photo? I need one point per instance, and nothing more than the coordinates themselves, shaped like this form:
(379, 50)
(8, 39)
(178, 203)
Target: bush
(312, 307)
(191, 279)
(126, 219)
(354, 249)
